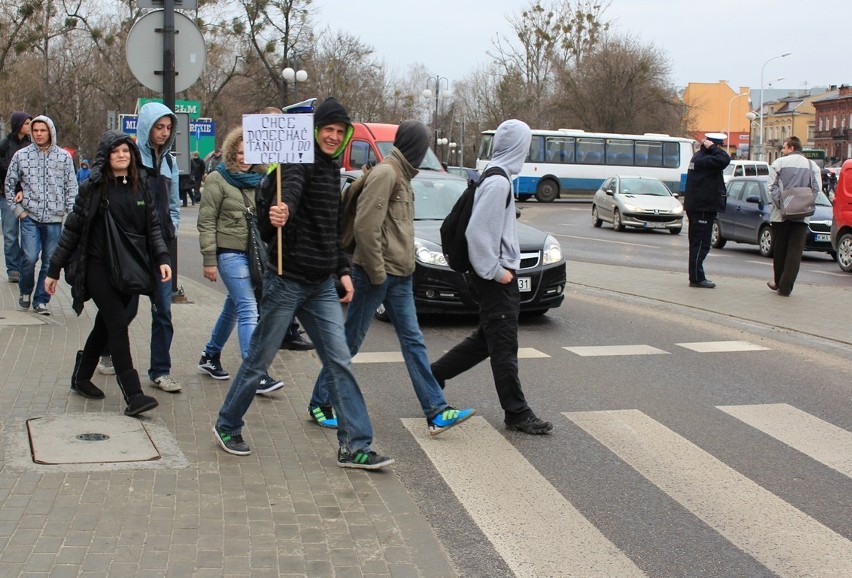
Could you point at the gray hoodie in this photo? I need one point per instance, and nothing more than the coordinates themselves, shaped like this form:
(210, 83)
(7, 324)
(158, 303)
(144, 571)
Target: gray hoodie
(46, 178)
(491, 235)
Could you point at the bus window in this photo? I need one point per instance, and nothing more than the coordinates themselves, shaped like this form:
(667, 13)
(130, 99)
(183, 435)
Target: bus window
(590, 150)
(671, 155)
(537, 150)
(762, 170)
(619, 152)
(560, 150)
(485, 147)
(650, 152)
(750, 171)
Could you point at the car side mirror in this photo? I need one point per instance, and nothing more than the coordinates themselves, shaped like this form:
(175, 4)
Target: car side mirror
(753, 199)
(609, 192)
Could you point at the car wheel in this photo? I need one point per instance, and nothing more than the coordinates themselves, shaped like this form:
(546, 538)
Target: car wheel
(547, 191)
(674, 231)
(596, 220)
(382, 313)
(616, 220)
(764, 241)
(844, 252)
(716, 239)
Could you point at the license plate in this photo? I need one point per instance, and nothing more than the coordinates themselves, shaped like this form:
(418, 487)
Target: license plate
(655, 225)
(524, 284)
(823, 237)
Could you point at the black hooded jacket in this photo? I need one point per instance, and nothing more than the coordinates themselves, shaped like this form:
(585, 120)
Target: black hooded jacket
(705, 186)
(311, 237)
(10, 145)
(79, 240)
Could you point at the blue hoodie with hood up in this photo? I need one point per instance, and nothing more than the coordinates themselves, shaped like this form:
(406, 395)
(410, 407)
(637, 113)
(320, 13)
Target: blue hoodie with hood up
(168, 172)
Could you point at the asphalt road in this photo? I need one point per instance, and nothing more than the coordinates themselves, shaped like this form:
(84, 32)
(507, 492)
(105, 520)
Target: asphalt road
(666, 459)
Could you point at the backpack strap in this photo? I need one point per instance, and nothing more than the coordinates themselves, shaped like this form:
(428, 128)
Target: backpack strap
(490, 172)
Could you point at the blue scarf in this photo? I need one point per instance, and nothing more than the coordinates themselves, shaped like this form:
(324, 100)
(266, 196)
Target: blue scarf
(240, 180)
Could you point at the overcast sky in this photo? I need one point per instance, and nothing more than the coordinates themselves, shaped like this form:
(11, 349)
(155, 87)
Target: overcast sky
(706, 41)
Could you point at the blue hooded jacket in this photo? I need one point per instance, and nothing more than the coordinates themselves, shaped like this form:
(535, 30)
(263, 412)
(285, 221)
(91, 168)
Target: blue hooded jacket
(169, 172)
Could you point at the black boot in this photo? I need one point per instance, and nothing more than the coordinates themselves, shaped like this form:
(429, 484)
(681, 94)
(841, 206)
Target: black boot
(131, 389)
(81, 383)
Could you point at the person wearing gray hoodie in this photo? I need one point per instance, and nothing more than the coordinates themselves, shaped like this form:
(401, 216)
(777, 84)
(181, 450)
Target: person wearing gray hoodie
(40, 188)
(495, 256)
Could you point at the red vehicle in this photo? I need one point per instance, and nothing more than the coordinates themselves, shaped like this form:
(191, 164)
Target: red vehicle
(841, 226)
(372, 141)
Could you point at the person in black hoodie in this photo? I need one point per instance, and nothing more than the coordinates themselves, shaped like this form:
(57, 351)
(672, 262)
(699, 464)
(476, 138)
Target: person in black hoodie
(118, 184)
(312, 257)
(704, 197)
(18, 138)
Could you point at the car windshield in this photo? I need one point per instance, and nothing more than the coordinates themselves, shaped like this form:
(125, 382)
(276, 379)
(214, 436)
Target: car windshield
(430, 162)
(650, 187)
(822, 200)
(434, 198)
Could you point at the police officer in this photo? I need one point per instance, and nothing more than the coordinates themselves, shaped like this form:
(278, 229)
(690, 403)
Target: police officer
(704, 197)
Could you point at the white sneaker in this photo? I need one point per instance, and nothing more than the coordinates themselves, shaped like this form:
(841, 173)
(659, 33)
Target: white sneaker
(105, 366)
(167, 383)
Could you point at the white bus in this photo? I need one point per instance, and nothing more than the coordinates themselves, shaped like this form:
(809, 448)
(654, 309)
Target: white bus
(577, 162)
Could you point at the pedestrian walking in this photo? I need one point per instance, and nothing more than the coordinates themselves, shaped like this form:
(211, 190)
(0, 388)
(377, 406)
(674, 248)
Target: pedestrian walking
(382, 273)
(495, 256)
(18, 138)
(119, 185)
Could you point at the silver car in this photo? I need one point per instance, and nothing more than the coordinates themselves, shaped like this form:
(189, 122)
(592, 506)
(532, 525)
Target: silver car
(640, 202)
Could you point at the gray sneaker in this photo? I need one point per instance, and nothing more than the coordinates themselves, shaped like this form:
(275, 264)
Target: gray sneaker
(233, 444)
(167, 383)
(105, 366)
(41, 309)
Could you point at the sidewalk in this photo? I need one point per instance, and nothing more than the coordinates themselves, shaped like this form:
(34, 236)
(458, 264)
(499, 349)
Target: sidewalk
(286, 510)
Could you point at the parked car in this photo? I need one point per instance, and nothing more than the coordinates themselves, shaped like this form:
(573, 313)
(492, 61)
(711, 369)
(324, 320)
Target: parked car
(370, 143)
(745, 168)
(439, 289)
(641, 202)
(841, 226)
(746, 218)
(466, 172)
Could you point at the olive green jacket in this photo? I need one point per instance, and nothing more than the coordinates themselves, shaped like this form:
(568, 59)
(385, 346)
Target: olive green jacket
(221, 218)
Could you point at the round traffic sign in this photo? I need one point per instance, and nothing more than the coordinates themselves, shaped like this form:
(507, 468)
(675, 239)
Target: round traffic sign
(145, 51)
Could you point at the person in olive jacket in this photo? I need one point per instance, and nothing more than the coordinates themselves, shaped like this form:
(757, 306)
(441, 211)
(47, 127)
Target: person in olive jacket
(120, 185)
(704, 197)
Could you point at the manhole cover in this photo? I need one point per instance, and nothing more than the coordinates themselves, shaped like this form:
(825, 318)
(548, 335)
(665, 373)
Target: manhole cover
(20, 318)
(95, 438)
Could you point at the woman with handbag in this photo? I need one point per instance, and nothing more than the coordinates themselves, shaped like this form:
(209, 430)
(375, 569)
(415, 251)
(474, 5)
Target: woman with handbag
(225, 236)
(114, 206)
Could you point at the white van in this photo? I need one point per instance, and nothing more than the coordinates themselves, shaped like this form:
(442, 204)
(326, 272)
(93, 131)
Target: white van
(744, 168)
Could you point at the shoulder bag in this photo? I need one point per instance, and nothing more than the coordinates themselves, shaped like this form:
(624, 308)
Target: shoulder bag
(798, 202)
(256, 248)
(128, 261)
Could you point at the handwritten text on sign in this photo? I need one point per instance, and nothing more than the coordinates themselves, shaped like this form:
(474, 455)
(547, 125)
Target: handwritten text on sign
(278, 138)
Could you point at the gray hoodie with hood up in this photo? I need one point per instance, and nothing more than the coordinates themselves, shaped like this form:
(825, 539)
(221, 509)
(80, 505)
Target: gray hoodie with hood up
(159, 165)
(492, 238)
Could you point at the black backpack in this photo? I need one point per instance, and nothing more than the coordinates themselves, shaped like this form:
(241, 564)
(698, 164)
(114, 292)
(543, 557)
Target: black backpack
(453, 241)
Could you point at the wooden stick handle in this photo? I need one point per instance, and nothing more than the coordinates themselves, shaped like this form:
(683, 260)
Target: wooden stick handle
(280, 234)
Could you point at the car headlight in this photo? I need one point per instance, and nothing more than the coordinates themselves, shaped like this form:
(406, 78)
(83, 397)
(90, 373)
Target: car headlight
(678, 209)
(631, 208)
(552, 251)
(429, 254)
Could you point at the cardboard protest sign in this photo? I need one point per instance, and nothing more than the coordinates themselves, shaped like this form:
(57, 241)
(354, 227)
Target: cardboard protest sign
(278, 138)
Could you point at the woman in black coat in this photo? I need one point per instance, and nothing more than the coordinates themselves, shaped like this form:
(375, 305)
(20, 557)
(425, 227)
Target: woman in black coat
(118, 185)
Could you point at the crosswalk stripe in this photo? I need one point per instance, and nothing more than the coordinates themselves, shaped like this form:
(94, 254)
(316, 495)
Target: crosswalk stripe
(722, 346)
(776, 534)
(822, 441)
(378, 357)
(532, 526)
(601, 350)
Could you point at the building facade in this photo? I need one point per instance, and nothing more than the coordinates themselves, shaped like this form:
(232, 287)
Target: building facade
(833, 124)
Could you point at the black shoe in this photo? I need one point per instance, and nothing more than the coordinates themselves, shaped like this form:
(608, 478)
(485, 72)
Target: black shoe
(703, 284)
(87, 389)
(212, 366)
(297, 343)
(532, 425)
(140, 403)
(361, 460)
(269, 384)
(772, 285)
(24, 302)
(231, 443)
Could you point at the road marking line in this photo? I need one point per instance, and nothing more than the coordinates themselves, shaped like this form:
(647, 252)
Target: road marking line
(832, 273)
(722, 346)
(595, 351)
(606, 241)
(817, 439)
(767, 262)
(530, 353)
(532, 526)
(776, 534)
(378, 357)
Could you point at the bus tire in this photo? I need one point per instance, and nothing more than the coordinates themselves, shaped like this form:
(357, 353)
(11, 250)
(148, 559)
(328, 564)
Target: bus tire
(547, 191)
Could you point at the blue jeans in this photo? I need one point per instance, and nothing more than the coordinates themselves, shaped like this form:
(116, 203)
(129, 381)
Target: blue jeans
(37, 239)
(320, 312)
(162, 329)
(398, 296)
(240, 308)
(11, 238)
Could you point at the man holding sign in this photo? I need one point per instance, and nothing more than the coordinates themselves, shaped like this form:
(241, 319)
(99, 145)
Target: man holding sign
(310, 255)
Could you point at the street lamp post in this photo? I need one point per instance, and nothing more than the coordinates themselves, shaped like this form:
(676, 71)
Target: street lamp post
(442, 142)
(428, 94)
(762, 70)
(294, 76)
(751, 117)
(729, 117)
(453, 146)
